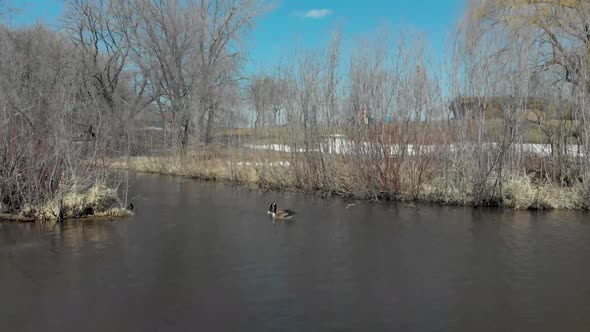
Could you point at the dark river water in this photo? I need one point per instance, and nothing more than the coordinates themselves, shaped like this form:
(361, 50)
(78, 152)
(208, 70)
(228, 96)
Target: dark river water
(206, 257)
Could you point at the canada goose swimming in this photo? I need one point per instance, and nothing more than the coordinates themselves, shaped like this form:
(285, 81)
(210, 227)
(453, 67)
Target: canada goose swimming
(270, 208)
(281, 213)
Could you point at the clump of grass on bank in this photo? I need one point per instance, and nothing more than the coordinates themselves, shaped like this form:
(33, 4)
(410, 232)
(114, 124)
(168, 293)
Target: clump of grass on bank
(443, 191)
(78, 201)
(520, 192)
(115, 212)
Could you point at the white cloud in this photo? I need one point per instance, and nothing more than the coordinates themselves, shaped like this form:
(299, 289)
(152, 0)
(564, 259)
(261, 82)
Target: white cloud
(316, 13)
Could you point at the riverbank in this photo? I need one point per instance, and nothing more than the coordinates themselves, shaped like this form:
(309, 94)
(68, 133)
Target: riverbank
(351, 178)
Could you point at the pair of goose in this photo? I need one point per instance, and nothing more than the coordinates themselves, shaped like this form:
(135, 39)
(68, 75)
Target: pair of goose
(279, 214)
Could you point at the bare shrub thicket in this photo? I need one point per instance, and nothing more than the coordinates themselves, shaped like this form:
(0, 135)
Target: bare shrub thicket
(52, 136)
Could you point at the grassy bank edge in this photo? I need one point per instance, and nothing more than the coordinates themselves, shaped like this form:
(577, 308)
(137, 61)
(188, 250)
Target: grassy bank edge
(519, 192)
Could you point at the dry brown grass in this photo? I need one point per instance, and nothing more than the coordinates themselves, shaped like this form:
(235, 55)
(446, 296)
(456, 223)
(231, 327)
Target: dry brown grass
(520, 192)
(212, 169)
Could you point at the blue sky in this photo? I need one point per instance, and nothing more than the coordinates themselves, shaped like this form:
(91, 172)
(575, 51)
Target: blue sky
(309, 23)
(302, 24)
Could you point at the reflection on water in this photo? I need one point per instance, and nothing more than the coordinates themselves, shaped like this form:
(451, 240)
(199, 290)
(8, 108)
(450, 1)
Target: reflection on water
(205, 256)
(71, 236)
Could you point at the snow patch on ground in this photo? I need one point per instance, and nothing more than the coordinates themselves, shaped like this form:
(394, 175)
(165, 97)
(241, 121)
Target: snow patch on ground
(273, 164)
(338, 144)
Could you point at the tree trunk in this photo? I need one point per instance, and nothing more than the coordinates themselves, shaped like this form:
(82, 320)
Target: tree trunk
(207, 137)
(184, 133)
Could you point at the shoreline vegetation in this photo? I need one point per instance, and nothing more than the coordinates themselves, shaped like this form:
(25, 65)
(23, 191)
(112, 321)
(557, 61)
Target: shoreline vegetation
(355, 174)
(499, 117)
(521, 191)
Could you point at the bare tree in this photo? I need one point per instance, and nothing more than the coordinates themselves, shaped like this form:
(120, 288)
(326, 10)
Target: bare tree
(559, 33)
(260, 93)
(100, 31)
(190, 49)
